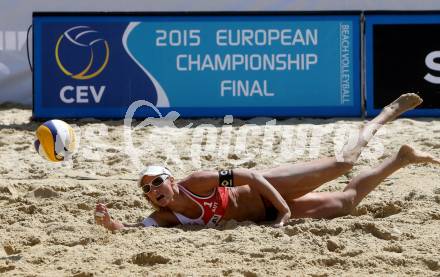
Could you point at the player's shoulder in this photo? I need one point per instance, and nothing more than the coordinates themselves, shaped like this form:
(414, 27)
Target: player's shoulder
(200, 182)
(201, 176)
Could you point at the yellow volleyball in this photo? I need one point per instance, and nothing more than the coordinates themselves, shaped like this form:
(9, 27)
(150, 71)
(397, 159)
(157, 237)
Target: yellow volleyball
(55, 140)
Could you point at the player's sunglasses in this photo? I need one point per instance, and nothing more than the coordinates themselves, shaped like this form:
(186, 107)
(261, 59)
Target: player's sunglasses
(156, 182)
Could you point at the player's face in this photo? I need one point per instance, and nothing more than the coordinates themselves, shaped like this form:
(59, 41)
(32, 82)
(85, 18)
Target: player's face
(158, 189)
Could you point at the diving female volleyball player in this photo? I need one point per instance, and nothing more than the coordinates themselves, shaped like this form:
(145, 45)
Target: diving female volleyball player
(276, 194)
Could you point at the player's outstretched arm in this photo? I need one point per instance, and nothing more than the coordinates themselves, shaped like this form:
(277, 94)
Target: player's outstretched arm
(156, 219)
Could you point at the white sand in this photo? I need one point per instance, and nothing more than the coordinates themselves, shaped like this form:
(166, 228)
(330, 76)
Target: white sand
(46, 210)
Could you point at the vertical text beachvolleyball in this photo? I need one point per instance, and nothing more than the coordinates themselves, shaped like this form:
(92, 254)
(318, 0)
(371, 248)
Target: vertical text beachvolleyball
(345, 62)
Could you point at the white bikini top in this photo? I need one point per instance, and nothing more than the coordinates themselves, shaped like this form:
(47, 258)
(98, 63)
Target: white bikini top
(186, 220)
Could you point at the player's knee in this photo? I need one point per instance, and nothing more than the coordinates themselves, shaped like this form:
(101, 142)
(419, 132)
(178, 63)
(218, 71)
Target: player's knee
(342, 205)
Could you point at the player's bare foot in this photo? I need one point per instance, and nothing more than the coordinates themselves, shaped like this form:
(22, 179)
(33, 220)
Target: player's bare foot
(405, 102)
(409, 155)
(352, 150)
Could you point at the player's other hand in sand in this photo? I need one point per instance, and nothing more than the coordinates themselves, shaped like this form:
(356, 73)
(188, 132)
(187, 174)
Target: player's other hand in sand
(103, 218)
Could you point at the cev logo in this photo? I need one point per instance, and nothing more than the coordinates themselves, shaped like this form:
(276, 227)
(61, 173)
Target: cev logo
(91, 70)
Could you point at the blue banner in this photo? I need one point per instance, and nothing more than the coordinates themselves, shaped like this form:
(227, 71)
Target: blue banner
(197, 65)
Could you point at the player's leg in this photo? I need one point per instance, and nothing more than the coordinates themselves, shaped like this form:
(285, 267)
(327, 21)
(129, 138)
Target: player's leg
(295, 180)
(333, 204)
(405, 102)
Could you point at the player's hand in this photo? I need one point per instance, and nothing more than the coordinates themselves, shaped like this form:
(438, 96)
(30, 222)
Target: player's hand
(102, 216)
(281, 220)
